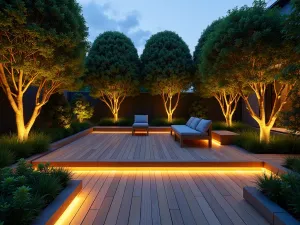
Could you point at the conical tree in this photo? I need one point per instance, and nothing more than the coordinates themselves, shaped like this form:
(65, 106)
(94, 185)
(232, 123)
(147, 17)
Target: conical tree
(167, 65)
(113, 70)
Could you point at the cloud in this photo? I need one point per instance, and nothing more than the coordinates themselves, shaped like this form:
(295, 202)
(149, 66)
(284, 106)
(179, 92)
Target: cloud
(101, 18)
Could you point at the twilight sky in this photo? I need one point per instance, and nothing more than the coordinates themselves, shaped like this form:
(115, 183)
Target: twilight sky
(139, 19)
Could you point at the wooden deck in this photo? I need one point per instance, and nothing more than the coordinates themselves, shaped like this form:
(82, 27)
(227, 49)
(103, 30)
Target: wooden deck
(158, 147)
(162, 197)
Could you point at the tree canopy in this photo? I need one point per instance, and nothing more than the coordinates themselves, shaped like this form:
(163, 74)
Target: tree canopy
(113, 69)
(220, 86)
(167, 66)
(43, 44)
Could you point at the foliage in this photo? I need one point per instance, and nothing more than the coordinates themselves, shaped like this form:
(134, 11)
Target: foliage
(248, 45)
(113, 69)
(36, 143)
(25, 192)
(165, 122)
(167, 68)
(222, 88)
(197, 109)
(292, 26)
(291, 119)
(42, 45)
(82, 109)
(283, 190)
(7, 157)
(111, 122)
(77, 127)
(292, 163)
(236, 126)
(279, 144)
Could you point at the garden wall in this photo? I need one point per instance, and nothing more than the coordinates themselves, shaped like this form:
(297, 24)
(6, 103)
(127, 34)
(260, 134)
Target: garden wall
(140, 104)
(145, 103)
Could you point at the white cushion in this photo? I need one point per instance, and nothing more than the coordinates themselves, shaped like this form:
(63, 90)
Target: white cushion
(185, 130)
(203, 126)
(141, 118)
(188, 123)
(194, 123)
(140, 125)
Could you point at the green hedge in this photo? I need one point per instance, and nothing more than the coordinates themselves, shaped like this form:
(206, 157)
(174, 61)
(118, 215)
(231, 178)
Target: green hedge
(164, 122)
(110, 122)
(236, 126)
(279, 144)
(25, 192)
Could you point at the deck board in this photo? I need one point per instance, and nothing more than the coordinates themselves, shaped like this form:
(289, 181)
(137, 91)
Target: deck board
(118, 147)
(143, 197)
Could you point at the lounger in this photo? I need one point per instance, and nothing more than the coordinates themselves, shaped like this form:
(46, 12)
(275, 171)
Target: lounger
(195, 129)
(140, 123)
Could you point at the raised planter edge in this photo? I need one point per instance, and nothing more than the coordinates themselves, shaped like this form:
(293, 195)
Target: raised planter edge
(272, 212)
(56, 208)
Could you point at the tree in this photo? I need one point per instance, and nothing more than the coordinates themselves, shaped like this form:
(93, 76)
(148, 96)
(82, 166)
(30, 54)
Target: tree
(113, 70)
(167, 67)
(82, 109)
(251, 46)
(215, 84)
(43, 44)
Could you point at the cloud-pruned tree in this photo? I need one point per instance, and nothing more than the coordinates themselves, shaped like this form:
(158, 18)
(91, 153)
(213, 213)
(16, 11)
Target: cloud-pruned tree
(167, 66)
(210, 83)
(113, 70)
(251, 46)
(42, 45)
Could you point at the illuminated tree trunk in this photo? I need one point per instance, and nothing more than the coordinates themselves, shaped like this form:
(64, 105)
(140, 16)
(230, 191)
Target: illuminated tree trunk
(168, 104)
(15, 87)
(282, 93)
(228, 104)
(113, 100)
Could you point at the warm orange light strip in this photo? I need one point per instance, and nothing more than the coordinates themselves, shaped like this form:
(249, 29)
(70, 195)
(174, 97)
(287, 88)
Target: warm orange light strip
(171, 169)
(129, 132)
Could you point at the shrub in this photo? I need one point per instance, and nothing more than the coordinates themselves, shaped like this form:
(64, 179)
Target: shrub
(36, 143)
(293, 163)
(24, 192)
(7, 157)
(164, 122)
(197, 109)
(77, 127)
(111, 122)
(280, 144)
(82, 108)
(283, 190)
(236, 126)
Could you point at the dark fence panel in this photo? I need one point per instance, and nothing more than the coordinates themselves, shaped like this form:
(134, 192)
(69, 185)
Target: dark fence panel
(144, 103)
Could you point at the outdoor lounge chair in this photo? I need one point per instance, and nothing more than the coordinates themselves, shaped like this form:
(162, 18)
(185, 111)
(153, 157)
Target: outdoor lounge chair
(140, 123)
(195, 129)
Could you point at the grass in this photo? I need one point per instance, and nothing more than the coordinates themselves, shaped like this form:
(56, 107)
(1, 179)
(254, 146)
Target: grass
(292, 163)
(236, 126)
(283, 190)
(58, 133)
(111, 122)
(25, 192)
(12, 148)
(279, 144)
(164, 122)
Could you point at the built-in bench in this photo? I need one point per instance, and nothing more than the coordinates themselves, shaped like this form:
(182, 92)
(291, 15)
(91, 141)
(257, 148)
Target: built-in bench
(224, 137)
(195, 129)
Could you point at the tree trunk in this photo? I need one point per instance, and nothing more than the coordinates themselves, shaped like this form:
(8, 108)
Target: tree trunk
(170, 117)
(228, 119)
(21, 127)
(264, 134)
(116, 117)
